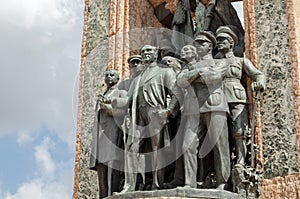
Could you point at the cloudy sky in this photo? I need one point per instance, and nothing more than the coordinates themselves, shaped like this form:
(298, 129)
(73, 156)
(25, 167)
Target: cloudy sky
(40, 42)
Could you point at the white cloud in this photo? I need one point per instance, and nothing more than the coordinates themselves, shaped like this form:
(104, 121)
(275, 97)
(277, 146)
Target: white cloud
(24, 137)
(40, 55)
(35, 12)
(43, 157)
(42, 189)
(53, 179)
(28, 190)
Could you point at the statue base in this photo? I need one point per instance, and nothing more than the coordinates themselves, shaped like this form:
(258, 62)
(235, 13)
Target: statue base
(178, 192)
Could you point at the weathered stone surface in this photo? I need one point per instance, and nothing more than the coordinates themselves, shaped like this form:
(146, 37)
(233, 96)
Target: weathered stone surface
(98, 23)
(293, 12)
(95, 65)
(277, 109)
(281, 187)
(177, 193)
(126, 18)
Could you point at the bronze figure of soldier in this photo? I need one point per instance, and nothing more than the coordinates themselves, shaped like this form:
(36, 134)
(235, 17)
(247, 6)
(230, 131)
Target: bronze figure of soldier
(107, 138)
(205, 107)
(235, 91)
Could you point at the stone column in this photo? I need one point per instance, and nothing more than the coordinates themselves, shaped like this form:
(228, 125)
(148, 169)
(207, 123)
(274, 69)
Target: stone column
(273, 38)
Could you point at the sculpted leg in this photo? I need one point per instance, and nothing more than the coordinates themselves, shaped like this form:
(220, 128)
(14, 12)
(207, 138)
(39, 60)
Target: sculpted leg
(131, 165)
(102, 180)
(238, 128)
(190, 150)
(218, 137)
(156, 159)
(190, 164)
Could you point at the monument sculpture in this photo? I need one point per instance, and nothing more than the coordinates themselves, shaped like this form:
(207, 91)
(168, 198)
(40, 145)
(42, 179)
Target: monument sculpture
(107, 137)
(200, 84)
(212, 90)
(147, 98)
(205, 78)
(268, 167)
(236, 95)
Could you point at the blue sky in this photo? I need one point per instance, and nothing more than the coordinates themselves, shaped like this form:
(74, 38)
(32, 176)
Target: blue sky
(40, 45)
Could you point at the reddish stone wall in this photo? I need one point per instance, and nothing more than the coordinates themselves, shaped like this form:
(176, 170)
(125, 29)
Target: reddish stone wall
(293, 12)
(281, 187)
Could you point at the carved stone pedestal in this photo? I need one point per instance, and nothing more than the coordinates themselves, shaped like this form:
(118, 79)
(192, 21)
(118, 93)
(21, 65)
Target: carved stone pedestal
(178, 193)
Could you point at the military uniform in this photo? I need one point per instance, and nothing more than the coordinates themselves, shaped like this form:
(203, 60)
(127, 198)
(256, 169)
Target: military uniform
(205, 107)
(237, 100)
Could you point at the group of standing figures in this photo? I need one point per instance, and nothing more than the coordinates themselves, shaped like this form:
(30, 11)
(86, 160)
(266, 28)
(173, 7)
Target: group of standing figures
(181, 119)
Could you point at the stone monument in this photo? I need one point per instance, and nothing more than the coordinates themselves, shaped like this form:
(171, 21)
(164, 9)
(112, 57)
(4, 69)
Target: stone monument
(263, 143)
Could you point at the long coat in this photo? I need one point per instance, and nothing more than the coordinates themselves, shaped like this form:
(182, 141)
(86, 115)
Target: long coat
(153, 84)
(107, 136)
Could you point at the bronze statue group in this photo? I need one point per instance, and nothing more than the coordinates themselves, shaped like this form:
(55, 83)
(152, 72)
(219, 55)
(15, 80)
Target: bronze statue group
(180, 120)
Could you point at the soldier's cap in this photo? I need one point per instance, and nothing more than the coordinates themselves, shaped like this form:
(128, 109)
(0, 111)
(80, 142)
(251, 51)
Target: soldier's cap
(134, 57)
(225, 31)
(206, 36)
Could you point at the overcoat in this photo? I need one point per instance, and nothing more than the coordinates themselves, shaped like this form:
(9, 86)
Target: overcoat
(107, 137)
(153, 84)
